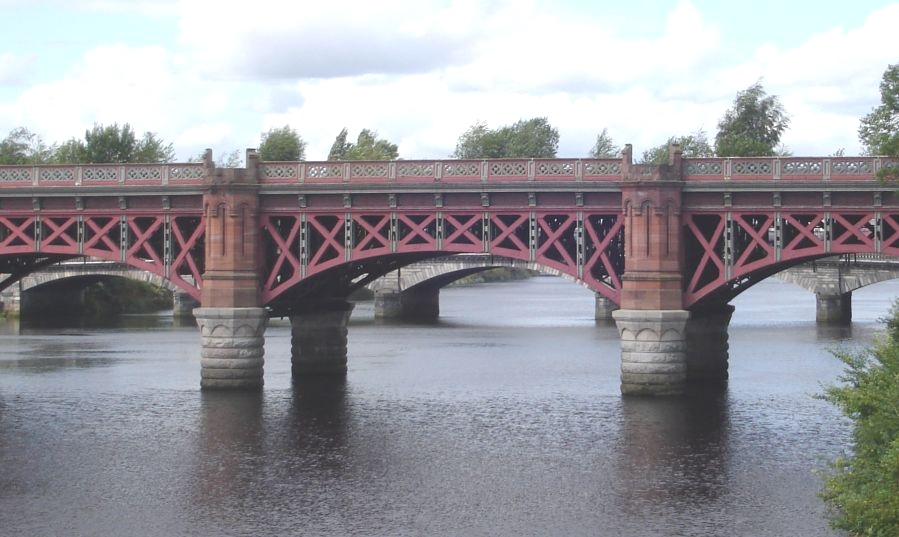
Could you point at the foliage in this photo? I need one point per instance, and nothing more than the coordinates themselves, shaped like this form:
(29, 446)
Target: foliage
(114, 144)
(605, 147)
(692, 146)
(532, 138)
(879, 130)
(367, 147)
(119, 295)
(22, 146)
(753, 126)
(863, 488)
(282, 144)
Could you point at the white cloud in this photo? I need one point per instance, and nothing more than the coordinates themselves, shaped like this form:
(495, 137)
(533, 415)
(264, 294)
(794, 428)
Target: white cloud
(15, 69)
(420, 72)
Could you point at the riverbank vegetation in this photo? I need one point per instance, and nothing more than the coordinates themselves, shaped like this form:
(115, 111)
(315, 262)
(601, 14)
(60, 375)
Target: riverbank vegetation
(863, 487)
(118, 296)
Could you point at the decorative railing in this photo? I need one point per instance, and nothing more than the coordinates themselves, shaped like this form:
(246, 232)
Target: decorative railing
(752, 169)
(102, 175)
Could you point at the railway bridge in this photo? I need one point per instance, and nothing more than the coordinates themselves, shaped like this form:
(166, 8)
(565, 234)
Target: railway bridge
(669, 245)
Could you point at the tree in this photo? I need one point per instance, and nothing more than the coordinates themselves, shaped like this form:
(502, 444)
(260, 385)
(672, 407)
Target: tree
(863, 488)
(532, 138)
(692, 146)
(367, 147)
(282, 144)
(114, 144)
(879, 130)
(753, 126)
(22, 146)
(605, 147)
(340, 146)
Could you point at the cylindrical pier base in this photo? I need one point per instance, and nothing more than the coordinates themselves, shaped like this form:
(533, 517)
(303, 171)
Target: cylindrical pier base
(319, 339)
(653, 351)
(707, 345)
(233, 347)
(604, 309)
(833, 309)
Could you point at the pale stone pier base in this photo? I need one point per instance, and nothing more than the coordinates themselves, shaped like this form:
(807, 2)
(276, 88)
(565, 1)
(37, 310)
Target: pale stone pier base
(653, 351)
(388, 304)
(233, 347)
(319, 339)
(183, 304)
(707, 345)
(416, 304)
(833, 309)
(604, 309)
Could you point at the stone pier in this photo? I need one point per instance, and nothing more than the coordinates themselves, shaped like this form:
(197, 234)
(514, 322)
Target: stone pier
(418, 304)
(653, 351)
(231, 318)
(604, 309)
(233, 346)
(707, 345)
(833, 308)
(652, 320)
(183, 304)
(319, 339)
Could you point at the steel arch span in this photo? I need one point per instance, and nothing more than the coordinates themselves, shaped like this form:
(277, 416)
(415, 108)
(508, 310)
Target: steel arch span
(586, 246)
(169, 246)
(726, 252)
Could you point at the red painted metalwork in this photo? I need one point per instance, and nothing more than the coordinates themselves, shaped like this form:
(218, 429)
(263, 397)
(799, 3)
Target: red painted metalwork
(138, 240)
(563, 214)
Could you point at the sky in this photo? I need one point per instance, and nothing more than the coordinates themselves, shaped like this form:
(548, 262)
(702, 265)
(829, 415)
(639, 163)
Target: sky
(219, 73)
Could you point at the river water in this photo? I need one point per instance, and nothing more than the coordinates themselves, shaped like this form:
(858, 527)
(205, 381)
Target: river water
(502, 419)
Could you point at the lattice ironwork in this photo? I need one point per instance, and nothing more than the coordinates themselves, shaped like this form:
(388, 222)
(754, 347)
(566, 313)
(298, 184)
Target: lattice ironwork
(171, 247)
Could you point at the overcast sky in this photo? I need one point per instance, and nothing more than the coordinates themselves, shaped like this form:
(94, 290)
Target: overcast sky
(217, 73)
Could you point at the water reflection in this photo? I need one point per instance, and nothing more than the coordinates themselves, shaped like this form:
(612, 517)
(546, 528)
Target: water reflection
(231, 446)
(674, 451)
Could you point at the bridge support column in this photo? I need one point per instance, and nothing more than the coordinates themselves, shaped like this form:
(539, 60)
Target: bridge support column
(231, 319)
(707, 345)
(233, 346)
(388, 304)
(319, 339)
(652, 321)
(183, 304)
(421, 304)
(653, 351)
(604, 308)
(833, 308)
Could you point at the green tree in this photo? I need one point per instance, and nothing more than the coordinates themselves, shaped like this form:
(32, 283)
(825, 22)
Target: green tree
(114, 144)
(340, 146)
(863, 488)
(605, 147)
(282, 144)
(367, 147)
(879, 130)
(22, 146)
(753, 126)
(692, 146)
(532, 138)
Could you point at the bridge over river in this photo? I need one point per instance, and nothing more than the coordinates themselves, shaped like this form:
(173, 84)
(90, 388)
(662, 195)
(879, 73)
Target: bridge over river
(668, 245)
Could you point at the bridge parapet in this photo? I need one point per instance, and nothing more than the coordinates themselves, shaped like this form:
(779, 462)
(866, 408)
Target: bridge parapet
(492, 171)
(91, 175)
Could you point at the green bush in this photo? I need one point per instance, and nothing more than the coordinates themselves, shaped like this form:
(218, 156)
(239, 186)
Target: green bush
(863, 487)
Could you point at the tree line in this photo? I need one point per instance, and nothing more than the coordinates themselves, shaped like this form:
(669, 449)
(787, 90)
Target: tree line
(753, 126)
